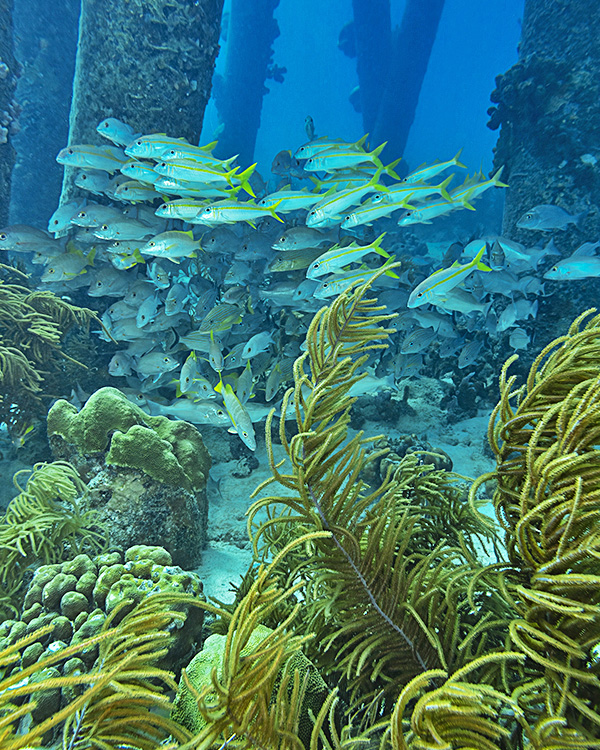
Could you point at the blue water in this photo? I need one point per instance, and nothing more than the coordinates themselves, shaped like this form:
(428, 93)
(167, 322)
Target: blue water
(475, 42)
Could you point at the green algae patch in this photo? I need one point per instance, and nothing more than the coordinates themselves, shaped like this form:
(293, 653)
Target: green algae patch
(169, 451)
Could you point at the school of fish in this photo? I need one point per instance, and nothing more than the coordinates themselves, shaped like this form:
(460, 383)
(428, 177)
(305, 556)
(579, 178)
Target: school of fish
(209, 276)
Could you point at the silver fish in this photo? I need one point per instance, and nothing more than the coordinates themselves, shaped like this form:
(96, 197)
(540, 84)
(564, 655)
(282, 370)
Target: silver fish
(545, 218)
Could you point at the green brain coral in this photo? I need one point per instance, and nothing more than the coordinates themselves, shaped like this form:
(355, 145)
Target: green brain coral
(169, 451)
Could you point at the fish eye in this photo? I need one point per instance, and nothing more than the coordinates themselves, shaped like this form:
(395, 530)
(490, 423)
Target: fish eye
(529, 216)
(152, 244)
(3, 237)
(104, 227)
(81, 215)
(165, 359)
(69, 151)
(138, 143)
(83, 177)
(220, 413)
(420, 294)
(207, 210)
(51, 270)
(105, 124)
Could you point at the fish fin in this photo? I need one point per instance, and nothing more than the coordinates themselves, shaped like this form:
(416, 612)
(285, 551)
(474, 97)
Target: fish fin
(90, 256)
(360, 142)
(244, 176)
(375, 154)
(496, 178)
(456, 159)
(389, 170)
(442, 188)
(190, 233)
(209, 146)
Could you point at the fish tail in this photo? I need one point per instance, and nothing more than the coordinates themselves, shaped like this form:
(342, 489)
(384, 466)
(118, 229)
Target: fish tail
(243, 177)
(477, 260)
(456, 161)
(361, 141)
(442, 187)
(496, 178)
(374, 154)
(138, 256)
(90, 256)
(389, 170)
(376, 247)
(272, 211)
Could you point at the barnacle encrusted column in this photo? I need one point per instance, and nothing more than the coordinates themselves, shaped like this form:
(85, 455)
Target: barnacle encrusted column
(8, 81)
(547, 109)
(148, 62)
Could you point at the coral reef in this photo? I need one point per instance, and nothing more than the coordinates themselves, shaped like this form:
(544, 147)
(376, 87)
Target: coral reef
(146, 475)
(33, 326)
(71, 602)
(44, 523)
(413, 643)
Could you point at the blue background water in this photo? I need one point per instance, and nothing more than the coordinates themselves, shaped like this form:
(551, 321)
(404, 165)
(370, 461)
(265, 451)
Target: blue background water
(475, 42)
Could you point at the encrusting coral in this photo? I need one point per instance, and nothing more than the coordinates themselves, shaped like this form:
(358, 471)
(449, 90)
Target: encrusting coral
(146, 475)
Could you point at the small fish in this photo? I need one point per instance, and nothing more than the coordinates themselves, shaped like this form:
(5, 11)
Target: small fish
(294, 260)
(288, 200)
(439, 283)
(134, 191)
(545, 218)
(87, 156)
(260, 342)
(146, 312)
(273, 383)
(157, 275)
(67, 266)
(116, 131)
(21, 237)
(120, 365)
(243, 389)
(155, 363)
(123, 229)
(300, 238)
(582, 264)
(240, 419)
(469, 353)
(220, 318)
(215, 354)
(417, 341)
(520, 309)
(189, 371)
(339, 283)
(175, 300)
(519, 339)
(338, 257)
(109, 282)
(92, 180)
(196, 412)
(426, 173)
(330, 160)
(60, 221)
(309, 127)
(229, 212)
(94, 214)
(172, 246)
(282, 163)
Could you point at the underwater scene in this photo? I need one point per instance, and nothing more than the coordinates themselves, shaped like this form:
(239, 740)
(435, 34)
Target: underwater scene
(299, 375)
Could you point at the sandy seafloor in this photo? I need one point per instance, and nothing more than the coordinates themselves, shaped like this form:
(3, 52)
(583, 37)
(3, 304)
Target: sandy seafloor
(228, 552)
